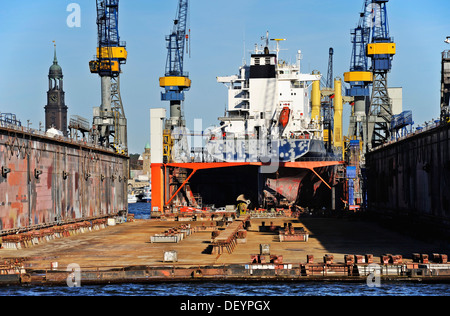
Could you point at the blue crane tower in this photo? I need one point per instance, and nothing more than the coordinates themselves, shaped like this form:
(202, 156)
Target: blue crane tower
(360, 77)
(381, 50)
(110, 123)
(175, 80)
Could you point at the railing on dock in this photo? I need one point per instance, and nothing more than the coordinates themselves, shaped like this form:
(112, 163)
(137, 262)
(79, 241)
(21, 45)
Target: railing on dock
(11, 127)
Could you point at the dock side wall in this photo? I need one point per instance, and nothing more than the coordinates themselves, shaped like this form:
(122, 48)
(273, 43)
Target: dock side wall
(45, 181)
(410, 178)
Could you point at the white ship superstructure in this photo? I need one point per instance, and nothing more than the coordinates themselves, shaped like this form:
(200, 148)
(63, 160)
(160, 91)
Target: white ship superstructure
(258, 95)
(269, 104)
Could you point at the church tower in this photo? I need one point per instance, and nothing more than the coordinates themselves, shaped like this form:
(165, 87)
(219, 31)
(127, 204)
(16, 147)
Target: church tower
(56, 110)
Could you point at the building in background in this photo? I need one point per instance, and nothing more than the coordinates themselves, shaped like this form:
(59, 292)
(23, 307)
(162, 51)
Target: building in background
(140, 171)
(56, 110)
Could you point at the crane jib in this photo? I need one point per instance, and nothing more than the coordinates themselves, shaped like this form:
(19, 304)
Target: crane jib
(176, 41)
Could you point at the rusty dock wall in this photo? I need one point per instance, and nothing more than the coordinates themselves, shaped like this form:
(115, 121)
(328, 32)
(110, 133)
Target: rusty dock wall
(409, 179)
(16, 274)
(48, 181)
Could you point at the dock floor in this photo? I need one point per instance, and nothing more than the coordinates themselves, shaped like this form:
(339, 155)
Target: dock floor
(128, 244)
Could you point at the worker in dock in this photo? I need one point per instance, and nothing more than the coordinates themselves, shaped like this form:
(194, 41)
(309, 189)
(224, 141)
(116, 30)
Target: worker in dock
(241, 208)
(242, 205)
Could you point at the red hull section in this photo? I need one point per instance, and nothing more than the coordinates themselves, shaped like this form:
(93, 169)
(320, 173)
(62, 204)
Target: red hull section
(178, 184)
(287, 187)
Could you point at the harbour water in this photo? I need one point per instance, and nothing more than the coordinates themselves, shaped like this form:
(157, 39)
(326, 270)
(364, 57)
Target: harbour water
(235, 290)
(140, 210)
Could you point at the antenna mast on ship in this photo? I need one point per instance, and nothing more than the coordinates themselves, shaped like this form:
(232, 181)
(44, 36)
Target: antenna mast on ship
(278, 40)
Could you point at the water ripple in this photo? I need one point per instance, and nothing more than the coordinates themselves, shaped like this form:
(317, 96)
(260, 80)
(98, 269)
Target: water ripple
(234, 289)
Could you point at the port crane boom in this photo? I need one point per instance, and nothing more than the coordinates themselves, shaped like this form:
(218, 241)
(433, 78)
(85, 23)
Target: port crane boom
(360, 77)
(175, 80)
(381, 50)
(110, 122)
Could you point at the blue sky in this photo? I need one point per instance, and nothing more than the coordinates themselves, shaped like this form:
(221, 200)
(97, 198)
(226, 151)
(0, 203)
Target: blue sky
(221, 31)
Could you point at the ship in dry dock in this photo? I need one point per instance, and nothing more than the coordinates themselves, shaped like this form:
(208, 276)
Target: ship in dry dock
(271, 149)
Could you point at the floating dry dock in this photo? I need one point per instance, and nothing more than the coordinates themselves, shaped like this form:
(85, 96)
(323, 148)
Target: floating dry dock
(239, 249)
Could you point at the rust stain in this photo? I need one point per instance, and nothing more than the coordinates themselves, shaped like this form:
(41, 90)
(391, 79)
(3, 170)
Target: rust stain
(18, 206)
(76, 180)
(49, 177)
(14, 178)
